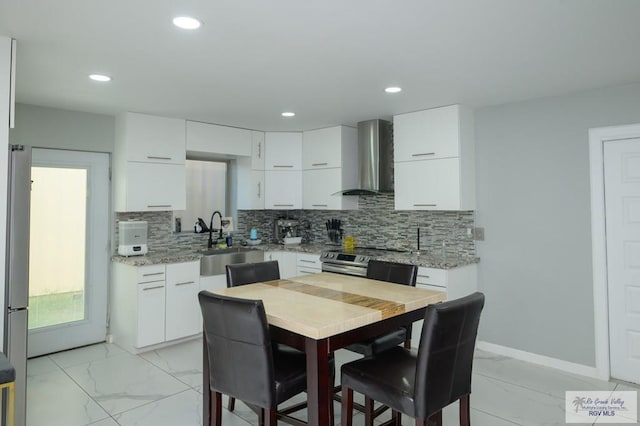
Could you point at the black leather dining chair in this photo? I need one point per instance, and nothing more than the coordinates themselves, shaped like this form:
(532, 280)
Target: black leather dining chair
(397, 273)
(243, 363)
(249, 273)
(421, 383)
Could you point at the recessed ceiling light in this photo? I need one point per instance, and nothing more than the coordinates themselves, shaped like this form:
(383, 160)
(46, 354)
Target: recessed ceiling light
(100, 77)
(393, 89)
(288, 114)
(186, 23)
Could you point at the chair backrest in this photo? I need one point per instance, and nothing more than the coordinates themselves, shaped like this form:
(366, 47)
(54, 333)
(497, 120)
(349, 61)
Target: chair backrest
(239, 348)
(248, 273)
(445, 354)
(398, 273)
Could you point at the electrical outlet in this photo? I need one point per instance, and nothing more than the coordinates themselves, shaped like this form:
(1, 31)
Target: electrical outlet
(478, 234)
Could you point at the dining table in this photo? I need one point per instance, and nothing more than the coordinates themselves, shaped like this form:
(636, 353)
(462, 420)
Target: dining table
(321, 313)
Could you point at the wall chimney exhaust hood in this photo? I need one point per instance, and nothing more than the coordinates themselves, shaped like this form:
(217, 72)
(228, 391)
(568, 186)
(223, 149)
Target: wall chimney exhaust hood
(375, 158)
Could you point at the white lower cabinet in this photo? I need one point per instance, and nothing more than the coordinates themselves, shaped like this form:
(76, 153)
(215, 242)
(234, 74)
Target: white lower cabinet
(286, 262)
(456, 282)
(213, 282)
(308, 263)
(182, 314)
(150, 315)
(154, 304)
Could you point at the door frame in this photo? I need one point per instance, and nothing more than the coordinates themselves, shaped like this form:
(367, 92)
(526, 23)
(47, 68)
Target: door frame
(597, 138)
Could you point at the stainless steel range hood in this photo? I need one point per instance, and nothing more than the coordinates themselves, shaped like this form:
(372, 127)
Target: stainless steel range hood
(375, 158)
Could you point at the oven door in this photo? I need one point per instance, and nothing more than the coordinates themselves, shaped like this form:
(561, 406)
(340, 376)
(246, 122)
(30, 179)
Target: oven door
(344, 269)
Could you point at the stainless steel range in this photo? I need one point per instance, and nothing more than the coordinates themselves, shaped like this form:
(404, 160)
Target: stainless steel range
(351, 263)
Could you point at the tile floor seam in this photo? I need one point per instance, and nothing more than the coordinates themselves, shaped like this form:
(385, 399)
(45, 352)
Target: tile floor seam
(150, 402)
(87, 393)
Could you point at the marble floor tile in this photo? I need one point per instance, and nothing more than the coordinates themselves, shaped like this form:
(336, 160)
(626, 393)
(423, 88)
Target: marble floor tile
(183, 361)
(106, 422)
(515, 403)
(184, 408)
(623, 387)
(551, 381)
(41, 365)
(53, 399)
(87, 354)
(123, 382)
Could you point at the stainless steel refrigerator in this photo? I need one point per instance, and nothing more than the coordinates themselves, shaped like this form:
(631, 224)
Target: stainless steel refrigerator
(17, 272)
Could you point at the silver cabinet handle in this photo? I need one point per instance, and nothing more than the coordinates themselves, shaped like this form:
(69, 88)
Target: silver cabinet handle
(319, 164)
(425, 205)
(302, 271)
(319, 205)
(153, 288)
(283, 166)
(423, 154)
(283, 205)
(150, 157)
(152, 274)
(259, 149)
(158, 205)
(307, 261)
(258, 189)
(185, 283)
(424, 276)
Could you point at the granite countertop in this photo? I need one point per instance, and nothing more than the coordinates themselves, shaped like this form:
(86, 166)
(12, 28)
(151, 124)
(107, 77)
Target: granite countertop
(424, 259)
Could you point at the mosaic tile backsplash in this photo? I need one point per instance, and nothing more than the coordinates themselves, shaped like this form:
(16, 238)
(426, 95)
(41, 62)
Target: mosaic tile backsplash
(374, 224)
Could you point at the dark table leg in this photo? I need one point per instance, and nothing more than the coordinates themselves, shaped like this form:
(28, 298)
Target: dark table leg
(318, 389)
(206, 394)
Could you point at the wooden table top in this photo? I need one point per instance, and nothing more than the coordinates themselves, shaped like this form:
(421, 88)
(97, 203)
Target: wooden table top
(326, 304)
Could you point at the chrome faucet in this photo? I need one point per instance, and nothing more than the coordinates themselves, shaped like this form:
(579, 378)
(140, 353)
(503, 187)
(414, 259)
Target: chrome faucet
(210, 243)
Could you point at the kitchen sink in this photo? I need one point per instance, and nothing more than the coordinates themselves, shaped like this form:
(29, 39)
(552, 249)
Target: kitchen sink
(214, 261)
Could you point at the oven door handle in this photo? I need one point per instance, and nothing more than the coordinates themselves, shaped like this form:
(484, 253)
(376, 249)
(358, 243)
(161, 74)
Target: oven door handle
(344, 269)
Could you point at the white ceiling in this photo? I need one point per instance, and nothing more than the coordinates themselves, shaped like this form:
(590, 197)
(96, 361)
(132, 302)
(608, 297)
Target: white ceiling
(327, 60)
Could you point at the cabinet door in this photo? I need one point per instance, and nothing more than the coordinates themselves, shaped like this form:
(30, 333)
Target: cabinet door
(318, 187)
(421, 135)
(283, 190)
(216, 139)
(151, 309)
(183, 316)
(213, 282)
(154, 187)
(428, 185)
(283, 151)
(154, 139)
(321, 148)
(257, 150)
(286, 262)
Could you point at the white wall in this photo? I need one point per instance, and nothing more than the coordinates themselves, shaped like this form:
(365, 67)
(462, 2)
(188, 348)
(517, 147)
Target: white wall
(5, 73)
(44, 127)
(533, 200)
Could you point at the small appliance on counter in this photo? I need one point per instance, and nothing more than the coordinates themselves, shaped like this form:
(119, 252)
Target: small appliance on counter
(133, 238)
(284, 230)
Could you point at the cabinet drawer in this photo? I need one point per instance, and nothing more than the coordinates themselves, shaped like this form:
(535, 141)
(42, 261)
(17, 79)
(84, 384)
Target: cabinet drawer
(308, 261)
(432, 276)
(151, 273)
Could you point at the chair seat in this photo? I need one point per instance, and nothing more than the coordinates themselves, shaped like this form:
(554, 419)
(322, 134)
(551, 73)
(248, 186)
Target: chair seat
(379, 343)
(388, 377)
(7, 372)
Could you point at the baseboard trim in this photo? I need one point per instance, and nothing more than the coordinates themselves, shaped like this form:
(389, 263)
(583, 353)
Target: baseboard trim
(570, 367)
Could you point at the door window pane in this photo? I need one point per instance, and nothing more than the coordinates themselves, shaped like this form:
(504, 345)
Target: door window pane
(57, 246)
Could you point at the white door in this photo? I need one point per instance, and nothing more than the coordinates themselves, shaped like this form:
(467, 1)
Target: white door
(69, 250)
(622, 203)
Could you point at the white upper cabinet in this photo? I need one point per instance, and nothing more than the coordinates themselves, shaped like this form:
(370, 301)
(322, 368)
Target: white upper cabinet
(153, 139)
(283, 190)
(250, 186)
(215, 139)
(422, 135)
(328, 148)
(319, 190)
(283, 151)
(257, 150)
(434, 165)
(152, 187)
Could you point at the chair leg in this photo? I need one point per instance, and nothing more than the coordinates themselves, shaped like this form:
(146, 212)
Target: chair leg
(368, 411)
(407, 343)
(270, 417)
(346, 418)
(435, 419)
(396, 417)
(421, 422)
(232, 404)
(215, 414)
(465, 411)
